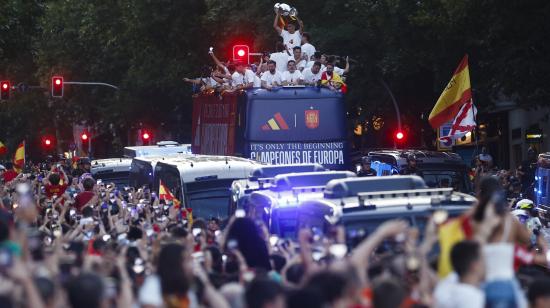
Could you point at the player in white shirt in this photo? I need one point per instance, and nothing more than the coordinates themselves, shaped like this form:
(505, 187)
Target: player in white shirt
(316, 58)
(340, 71)
(243, 78)
(271, 78)
(291, 37)
(292, 76)
(280, 57)
(205, 82)
(298, 58)
(313, 74)
(307, 49)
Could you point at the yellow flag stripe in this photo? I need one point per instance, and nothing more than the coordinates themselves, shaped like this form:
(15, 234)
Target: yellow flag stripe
(456, 93)
(273, 124)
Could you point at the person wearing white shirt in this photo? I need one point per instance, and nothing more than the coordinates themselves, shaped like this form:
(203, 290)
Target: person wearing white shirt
(316, 58)
(307, 49)
(313, 74)
(271, 78)
(280, 57)
(298, 58)
(291, 37)
(337, 70)
(462, 288)
(243, 78)
(292, 76)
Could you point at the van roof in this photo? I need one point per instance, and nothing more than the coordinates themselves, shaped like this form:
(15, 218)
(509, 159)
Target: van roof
(161, 148)
(421, 155)
(343, 188)
(290, 181)
(271, 171)
(204, 167)
(116, 164)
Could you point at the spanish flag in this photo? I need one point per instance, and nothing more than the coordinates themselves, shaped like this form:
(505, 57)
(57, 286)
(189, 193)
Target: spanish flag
(456, 94)
(450, 233)
(3, 149)
(166, 195)
(19, 157)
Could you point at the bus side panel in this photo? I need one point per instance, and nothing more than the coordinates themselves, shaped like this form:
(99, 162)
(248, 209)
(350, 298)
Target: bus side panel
(214, 124)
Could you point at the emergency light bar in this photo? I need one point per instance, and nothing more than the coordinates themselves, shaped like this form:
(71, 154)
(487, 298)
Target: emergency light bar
(445, 192)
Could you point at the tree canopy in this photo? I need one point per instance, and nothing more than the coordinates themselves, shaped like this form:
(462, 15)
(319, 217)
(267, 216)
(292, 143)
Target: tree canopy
(146, 47)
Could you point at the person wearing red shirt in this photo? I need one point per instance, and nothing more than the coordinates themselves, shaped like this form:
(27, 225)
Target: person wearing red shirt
(84, 197)
(52, 184)
(9, 174)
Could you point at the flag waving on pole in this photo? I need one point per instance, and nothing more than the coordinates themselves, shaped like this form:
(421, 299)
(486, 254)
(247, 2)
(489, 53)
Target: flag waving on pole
(19, 157)
(464, 122)
(166, 195)
(3, 149)
(457, 93)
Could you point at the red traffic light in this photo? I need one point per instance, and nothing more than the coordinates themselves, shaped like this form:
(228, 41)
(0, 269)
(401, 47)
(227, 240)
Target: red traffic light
(399, 136)
(241, 53)
(145, 136)
(4, 89)
(57, 86)
(47, 142)
(84, 137)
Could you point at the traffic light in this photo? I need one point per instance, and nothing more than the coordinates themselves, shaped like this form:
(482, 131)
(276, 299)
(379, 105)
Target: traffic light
(5, 89)
(48, 142)
(241, 54)
(57, 86)
(399, 136)
(145, 137)
(85, 139)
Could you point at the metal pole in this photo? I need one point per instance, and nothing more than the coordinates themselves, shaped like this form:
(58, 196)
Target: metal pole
(92, 83)
(398, 113)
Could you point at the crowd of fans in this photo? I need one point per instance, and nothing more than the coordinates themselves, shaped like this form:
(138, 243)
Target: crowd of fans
(294, 62)
(67, 240)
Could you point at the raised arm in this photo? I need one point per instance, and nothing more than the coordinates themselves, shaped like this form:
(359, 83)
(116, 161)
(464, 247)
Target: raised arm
(346, 69)
(218, 62)
(276, 24)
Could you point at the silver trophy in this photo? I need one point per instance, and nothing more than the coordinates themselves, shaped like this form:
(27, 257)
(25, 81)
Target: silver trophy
(285, 10)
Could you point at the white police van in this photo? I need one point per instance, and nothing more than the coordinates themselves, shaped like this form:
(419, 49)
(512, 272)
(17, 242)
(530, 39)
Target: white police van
(162, 148)
(262, 178)
(363, 204)
(203, 182)
(279, 206)
(112, 170)
(142, 169)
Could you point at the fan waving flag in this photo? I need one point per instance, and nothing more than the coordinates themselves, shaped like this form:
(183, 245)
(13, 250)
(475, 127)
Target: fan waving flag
(3, 149)
(19, 157)
(457, 93)
(166, 195)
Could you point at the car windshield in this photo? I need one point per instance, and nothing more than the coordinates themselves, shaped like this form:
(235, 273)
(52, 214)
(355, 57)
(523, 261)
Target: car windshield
(456, 179)
(211, 203)
(120, 179)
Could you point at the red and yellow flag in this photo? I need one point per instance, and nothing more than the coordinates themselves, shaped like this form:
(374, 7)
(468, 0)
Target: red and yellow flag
(19, 157)
(166, 195)
(3, 149)
(456, 94)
